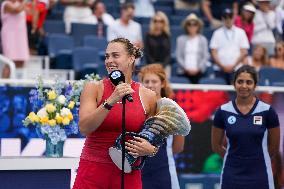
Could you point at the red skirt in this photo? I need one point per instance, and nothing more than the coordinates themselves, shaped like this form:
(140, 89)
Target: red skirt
(95, 175)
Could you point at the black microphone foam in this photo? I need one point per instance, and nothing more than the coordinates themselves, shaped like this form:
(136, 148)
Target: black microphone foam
(117, 77)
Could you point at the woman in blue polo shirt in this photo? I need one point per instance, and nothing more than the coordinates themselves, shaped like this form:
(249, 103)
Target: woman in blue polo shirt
(252, 131)
(159, 172)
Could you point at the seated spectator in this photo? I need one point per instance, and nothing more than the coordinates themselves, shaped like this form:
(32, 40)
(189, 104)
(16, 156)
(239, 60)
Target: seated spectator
(101, 17)
(211, 9)
(264, 23)
(126, 27)
(144, 8)
(77, 11)
(278, 60)
(259, 57)
(229, 45)
(279, 14)
(100, 14)
(245, 20)
(157, 41)
(14, 33)
(192, 49)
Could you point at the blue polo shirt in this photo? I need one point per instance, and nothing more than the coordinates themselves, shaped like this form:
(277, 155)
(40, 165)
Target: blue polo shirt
(246, 162)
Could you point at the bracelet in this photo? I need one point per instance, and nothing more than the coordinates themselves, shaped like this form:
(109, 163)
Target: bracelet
(156, 149)
(106, 105)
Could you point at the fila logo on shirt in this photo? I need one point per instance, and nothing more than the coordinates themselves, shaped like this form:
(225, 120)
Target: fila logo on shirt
(257, 120)
(231, 120)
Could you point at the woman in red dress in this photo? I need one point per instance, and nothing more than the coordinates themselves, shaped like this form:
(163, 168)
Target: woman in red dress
(100, 120)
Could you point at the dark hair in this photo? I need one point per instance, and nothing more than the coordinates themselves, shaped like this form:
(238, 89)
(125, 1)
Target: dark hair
(130, 48)
(127, 5)
(246, 69)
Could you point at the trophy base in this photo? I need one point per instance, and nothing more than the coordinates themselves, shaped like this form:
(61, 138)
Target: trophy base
(116, 157)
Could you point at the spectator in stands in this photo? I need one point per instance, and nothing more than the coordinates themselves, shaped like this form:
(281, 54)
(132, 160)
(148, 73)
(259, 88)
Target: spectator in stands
(229, 45)
(192, 49)
(245, 20)
(100, 14)
(35, 19)
(126, 27)
(211, 9)
(77, 11)
(264, 24)
(259, 57)
(279, 14)
(157, 41)
(14, 33)
(277, 61)
(159, 171)
(101, 17)
(144, 8)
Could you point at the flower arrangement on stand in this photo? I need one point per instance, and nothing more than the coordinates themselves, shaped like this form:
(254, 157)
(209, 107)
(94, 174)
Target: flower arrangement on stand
(55, 112)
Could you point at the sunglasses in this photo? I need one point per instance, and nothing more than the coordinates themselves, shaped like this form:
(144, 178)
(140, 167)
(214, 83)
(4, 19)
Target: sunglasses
(192, 24)
(158, 21)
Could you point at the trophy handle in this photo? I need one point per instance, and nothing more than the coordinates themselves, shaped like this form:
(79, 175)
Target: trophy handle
(135, 135)
(117, 142)
(141, 165)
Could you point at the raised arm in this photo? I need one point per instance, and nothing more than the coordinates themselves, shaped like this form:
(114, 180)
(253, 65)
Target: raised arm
(14, 9)
(91, 115)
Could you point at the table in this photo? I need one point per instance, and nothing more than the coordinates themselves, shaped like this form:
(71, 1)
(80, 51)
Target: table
(36, 172)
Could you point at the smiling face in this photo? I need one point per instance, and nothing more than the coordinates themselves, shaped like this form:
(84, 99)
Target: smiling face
(153, 82)
(244, 85)
(117, 58)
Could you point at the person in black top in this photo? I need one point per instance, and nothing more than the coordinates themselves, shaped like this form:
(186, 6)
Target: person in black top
(211, 9)
(157, 41)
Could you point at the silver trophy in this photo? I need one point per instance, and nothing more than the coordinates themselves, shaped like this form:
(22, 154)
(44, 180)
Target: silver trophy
(169, 120)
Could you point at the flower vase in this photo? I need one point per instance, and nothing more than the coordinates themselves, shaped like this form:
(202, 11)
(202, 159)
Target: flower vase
(54, 150)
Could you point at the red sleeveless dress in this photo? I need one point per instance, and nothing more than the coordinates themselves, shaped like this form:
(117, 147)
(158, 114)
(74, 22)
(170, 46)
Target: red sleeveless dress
(96, 169)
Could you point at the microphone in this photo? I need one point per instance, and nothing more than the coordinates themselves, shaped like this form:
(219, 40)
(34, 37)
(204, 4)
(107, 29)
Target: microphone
(117, 77)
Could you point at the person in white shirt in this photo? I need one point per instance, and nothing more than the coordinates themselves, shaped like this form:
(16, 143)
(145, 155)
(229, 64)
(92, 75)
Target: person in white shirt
(144, 8)
(279, 12)
(126, 27)
(264, 24)
(229, 46)
(100, 14)
(77, 11)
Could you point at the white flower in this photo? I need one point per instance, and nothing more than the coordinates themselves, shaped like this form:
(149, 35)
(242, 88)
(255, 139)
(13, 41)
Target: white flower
(42, 113)
(61, 99)
(65, 112)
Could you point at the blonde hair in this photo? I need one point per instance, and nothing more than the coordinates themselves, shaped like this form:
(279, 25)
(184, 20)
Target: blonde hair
(158, 70)
(164, 17)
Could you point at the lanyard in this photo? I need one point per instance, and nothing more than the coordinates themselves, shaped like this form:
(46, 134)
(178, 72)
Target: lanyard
(227, 34)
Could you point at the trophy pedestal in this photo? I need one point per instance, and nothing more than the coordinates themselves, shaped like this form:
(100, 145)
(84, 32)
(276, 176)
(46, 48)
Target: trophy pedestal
(116, 157)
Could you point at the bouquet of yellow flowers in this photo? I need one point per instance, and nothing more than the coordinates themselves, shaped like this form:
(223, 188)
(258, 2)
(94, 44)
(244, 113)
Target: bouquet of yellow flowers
(55, 110)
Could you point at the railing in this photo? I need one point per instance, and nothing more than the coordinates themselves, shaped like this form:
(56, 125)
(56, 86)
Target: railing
(176, 86)
(11, 65)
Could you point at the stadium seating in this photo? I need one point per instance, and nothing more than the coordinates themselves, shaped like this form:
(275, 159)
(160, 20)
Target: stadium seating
(78, 31)
(59, 43)
(216, 81)
(54, 26)
(179, 79)
(268, 76)
(84, 59)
